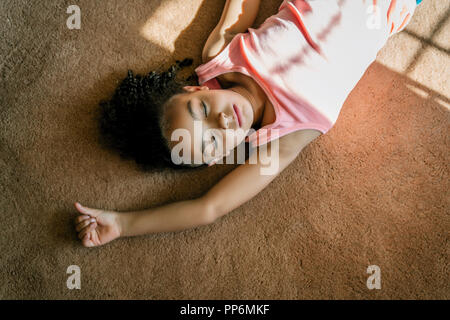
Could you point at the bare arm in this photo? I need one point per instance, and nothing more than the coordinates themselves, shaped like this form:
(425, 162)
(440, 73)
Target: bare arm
(174, 216)
(237, 16)
(230, 192)
(234, 189)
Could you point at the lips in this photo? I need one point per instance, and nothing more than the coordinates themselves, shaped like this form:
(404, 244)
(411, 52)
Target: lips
(238, 116)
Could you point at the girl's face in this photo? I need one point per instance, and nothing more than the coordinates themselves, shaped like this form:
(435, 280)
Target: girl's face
(213, 109)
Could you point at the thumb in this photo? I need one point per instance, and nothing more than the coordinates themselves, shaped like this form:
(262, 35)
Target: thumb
(85, 210)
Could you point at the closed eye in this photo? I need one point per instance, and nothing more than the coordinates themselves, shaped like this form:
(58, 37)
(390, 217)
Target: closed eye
(204, 107)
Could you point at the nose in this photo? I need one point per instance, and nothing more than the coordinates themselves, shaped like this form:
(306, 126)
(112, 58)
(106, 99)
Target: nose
(224, 120)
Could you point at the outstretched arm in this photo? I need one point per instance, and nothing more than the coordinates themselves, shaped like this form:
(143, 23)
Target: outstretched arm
(97, 227)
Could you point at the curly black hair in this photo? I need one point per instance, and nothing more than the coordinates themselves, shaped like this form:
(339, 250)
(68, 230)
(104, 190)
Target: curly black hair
(131, 122)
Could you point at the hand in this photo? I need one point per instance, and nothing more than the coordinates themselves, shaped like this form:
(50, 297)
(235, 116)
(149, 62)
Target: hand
(96, 227)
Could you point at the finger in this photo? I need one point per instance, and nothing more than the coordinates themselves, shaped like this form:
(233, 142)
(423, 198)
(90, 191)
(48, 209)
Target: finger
(86, 230)
(89, 211)
(87, 236)
(80, 218)
(87, 242)
(90, 237)
(84, 224)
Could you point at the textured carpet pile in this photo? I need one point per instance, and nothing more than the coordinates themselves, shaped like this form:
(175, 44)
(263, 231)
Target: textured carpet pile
(372, 191)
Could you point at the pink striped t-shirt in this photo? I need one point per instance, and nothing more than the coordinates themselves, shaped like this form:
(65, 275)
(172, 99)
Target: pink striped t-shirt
(308, 57)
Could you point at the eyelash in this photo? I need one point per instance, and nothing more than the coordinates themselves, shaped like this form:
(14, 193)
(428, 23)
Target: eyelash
(204, 107)
(206, 114)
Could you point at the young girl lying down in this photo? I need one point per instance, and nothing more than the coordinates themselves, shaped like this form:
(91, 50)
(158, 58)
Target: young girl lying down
(287, 80)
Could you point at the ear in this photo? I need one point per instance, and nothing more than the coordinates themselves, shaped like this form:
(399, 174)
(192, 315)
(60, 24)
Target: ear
(195, 88)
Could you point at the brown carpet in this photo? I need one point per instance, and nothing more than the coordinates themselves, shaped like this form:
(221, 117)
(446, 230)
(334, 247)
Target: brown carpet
(373, 190)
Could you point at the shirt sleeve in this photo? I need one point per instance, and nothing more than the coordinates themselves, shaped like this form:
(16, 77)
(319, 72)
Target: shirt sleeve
(301, 5)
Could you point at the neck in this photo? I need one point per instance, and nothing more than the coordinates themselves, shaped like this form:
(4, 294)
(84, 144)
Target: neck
(256, 101)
